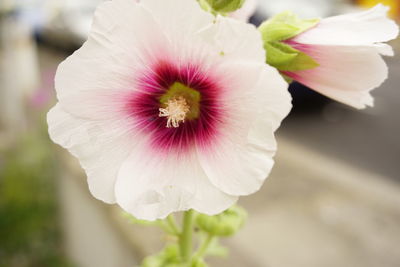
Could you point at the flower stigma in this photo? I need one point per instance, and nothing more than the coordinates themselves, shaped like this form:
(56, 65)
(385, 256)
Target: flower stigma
(175, 111)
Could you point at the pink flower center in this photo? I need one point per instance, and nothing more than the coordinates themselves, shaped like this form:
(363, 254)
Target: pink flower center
(178, 107)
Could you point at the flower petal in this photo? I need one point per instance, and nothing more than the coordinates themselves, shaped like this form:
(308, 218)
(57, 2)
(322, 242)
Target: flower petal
(368, 27)
(235, 40)
(99, 148)
(346, 74)
(151, 187)
(384, 49)
(105, 66)
(180, 19)
(242, 160)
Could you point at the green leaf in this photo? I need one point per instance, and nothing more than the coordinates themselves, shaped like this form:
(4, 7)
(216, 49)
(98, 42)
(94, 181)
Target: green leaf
(285, 58)
(285, 26)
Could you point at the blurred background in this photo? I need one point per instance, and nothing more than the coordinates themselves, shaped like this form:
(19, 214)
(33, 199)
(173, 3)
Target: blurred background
(333, 198)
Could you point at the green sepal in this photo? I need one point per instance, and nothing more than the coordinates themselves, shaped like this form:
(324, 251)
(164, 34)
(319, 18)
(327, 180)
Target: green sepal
(226, 223)
(287, 78)
(285, 26)
(205, 6)
(285, 58)
(280, 55)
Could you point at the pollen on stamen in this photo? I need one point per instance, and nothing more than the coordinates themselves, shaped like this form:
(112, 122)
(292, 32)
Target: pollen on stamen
(175, 111)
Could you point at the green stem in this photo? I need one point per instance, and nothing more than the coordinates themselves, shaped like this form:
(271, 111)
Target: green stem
(172, 224)
(185, 238)
(204, 246)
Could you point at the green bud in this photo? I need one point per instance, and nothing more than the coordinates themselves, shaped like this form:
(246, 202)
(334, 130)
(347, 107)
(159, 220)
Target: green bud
(221, 6)
(280, 55)
(226, 223)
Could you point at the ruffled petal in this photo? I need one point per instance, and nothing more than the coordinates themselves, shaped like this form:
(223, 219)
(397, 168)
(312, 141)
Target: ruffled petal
(152, 187)
(179, 19)
(100, 148)
(105, 67)
(242, 160)
(363, 28)
(278, 101)
(346, 74)
(234, 40)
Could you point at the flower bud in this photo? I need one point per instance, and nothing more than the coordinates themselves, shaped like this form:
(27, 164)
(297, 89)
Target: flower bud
(225, 6)
(226, 223)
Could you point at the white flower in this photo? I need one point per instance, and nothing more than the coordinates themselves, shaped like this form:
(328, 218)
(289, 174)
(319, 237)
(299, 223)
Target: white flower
(348, 49)
(168, 108)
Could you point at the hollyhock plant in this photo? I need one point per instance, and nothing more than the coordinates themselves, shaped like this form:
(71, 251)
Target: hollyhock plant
(339, 56)
(169, 109)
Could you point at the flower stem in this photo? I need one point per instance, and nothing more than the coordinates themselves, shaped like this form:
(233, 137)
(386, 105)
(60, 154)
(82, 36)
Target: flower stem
(172, 224)
(204, 246)
(185, 239)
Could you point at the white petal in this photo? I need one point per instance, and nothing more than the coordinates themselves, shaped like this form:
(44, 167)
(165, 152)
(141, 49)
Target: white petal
(384, 49)
(99, 148)
(151, 187)
(277, 101)
(178, 18)
(233, 39)
(123, 38)
(120, 24)
(368, 27)
(242, 160)
(346, 74)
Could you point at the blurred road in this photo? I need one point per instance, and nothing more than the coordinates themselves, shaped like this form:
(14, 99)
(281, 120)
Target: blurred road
(368, 138)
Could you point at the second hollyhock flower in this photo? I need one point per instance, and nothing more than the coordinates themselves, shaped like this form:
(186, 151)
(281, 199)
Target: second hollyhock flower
(344, 54)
